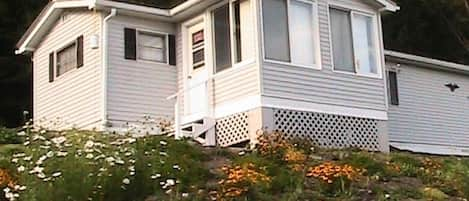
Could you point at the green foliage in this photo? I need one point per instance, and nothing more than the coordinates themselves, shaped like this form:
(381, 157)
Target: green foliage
(9, 136)
(409, 166)
(104, 167)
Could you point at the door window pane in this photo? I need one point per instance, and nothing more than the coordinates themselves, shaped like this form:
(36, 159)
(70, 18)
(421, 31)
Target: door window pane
(364, 43)
(276, 44)
(342, 43)
(222, 38)
(301, 33)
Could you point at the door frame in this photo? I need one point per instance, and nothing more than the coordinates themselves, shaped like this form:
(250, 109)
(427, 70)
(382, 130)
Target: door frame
(187, 116)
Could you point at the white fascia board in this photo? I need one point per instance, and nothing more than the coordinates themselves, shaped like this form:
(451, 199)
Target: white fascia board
(389, 5)
(431, 149)
(133, 7)
(425, 61)
(183, 6)
(56, 5)
(288, 104)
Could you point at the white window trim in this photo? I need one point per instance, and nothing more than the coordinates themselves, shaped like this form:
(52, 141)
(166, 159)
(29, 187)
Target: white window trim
(316, 38)
(355, 10)
(166, 41)
(56, 52)
(211, 21)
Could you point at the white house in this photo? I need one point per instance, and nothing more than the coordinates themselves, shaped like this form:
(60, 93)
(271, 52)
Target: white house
(224, 69)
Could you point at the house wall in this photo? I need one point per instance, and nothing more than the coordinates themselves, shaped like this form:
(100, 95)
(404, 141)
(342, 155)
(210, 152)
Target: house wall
(138, 88)
(293, 83)
(74, 98)
(428, 112)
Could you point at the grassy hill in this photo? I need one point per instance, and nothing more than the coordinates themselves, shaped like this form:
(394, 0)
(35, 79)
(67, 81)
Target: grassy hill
(75, 165)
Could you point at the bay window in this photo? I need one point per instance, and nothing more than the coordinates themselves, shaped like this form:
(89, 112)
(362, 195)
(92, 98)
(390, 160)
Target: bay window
(289, 28)
(354, 42)
(233, 34)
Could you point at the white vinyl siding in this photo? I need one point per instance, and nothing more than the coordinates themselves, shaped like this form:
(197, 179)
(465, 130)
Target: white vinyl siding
(74, 99)
(429, 112)
(290, 29)
(137, 88)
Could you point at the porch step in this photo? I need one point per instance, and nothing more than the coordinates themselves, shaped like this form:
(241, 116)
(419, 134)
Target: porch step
(201, 131)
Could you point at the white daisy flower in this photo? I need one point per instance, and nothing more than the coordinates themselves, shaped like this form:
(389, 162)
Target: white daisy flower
(56, 174)
(126, 181)
(21, 169)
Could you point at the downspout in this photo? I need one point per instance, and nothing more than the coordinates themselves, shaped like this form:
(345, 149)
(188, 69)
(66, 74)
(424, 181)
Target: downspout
(105, 65)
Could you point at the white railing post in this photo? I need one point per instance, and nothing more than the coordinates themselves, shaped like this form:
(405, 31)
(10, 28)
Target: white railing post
(177, 120)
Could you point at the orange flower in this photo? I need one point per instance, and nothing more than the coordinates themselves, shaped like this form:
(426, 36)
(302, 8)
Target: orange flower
(329, 172)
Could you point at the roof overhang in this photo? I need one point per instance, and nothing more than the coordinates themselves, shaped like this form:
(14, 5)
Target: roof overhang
(52, 11)
(425, 62)
(388, 5)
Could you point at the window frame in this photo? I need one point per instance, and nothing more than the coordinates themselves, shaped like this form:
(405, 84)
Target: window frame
(233, 51)
(56, 57)
(315, 31)
(389, 91)
(152, 32)
(376, 37)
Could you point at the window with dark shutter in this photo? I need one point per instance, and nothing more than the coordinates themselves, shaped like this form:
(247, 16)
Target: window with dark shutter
(393, 90)
(51, 67)
(130, 36)
(172, 49)
(80, 52)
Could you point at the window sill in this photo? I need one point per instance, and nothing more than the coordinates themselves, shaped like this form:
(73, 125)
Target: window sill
(374, 76)
(315, 67)
(152, 62)
(236, 67)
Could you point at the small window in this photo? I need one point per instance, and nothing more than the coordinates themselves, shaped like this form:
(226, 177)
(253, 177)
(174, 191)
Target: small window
(393, 88)
(289, 31)
(66, 59)
(354, 42)
(152, 47)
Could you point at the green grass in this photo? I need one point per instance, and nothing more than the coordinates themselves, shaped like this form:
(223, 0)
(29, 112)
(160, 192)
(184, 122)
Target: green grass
(196, 171)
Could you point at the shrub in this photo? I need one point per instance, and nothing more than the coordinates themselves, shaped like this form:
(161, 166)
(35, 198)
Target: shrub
(72, 165)
(9, 136)
(241, 179)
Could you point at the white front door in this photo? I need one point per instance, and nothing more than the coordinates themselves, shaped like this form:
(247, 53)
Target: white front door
(197, 72)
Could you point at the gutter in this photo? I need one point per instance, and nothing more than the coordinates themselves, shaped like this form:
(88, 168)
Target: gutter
(105, 63)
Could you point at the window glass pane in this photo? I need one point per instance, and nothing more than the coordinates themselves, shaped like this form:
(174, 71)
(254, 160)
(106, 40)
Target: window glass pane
(364, 44)
(66, 59)
(151, 47)
(301, 30)
(342, 44)
(276, 44)
(222, 38)
(393, 90)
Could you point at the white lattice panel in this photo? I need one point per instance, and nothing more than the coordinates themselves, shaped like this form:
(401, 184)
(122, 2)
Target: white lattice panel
(326, 130)
(232, 130)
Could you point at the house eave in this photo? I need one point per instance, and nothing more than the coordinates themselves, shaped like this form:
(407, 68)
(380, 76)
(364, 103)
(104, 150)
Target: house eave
(400, 57)
(388, 5)
(43, 22)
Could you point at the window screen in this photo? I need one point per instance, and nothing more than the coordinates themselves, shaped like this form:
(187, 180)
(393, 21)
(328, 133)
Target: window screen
(222, 38)
(301, 33)
(151, 47)
(364, 43)
(342, 42)
(66, 59)
(393, 88)
(275, 20)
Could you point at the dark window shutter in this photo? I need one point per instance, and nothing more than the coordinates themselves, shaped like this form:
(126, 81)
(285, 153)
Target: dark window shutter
(79, 51)
(172, 49)
(130, 36)
(393, 90)
(51, 67)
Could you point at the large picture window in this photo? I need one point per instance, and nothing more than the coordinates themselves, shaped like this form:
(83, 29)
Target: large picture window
(289, 31)
(353, 42)
(233, 34)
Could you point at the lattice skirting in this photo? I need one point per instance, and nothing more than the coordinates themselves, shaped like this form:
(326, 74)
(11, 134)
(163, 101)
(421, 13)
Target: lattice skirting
(232, 130)
(327, 130)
